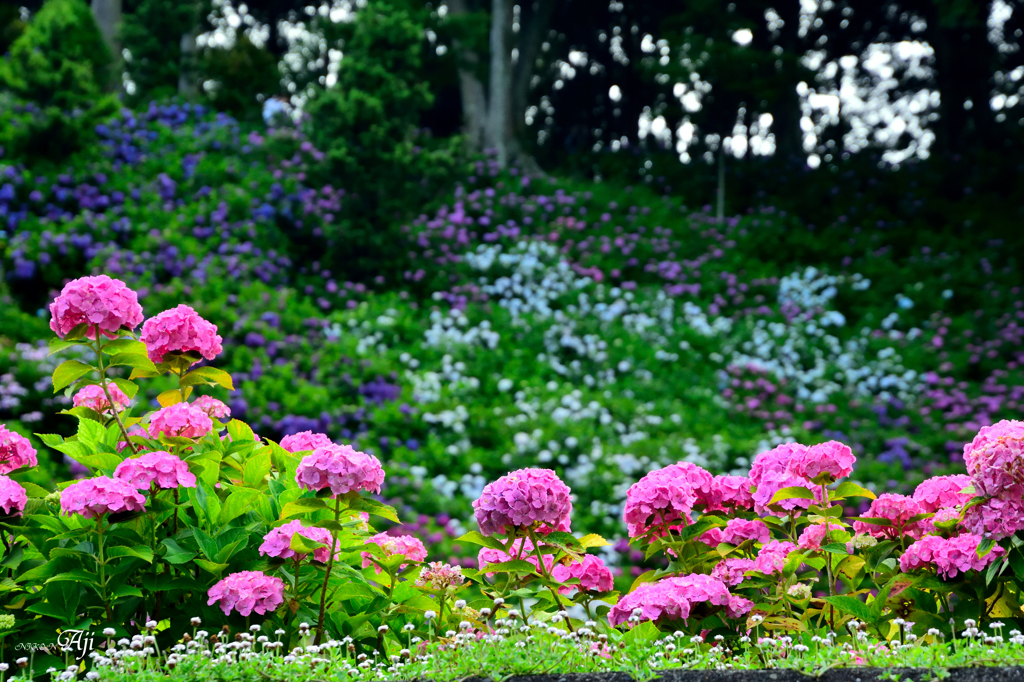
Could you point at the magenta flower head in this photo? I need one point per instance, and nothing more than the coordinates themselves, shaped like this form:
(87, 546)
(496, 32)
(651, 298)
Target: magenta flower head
(736, 532)
(162, 468)
(942, 492)
(395, 545)
(247, 591)
(13, 497)
(522, 548)
(93, 397)
(896, 513)
(277, 543)
(662, 499)
(593, 575)
(730, 493)
(137, 431)
(305, 440)
(98, 302)
(773, 556)
(341, 468)
(182, 420)
(822, 464)
(214, 409)
(94, 497)
(731, 571)
(813, 537)
(180, 330)
(770, 474)
(995, 518)
(15, 451)
(995, 460)
(674, 599)
(524, 499)
(440, 576)
(949, 556)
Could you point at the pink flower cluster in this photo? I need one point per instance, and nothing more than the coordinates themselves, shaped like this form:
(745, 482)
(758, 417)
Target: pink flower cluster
(674, 598)
(93, 397)
(730, 492)
(213, 408)
(247, 591)
(440, 576)
(15, 451)
(183, 420)
(814, 536)
(897, 511)
(662, 499)
(394, 545)
(731, 570)
(98, 302)
(773, 556)
(997, 518)
(13, 497)
(822, 463)
(593, 575)
(94, 497)
(305, 440)
(949, 556)
(770, 473)
(737, 531)
(277, 543)
(942, 492)
(180, 330)
(162, 468)
(527, 498)
(522, 548)
(995, 460)
(340, 468)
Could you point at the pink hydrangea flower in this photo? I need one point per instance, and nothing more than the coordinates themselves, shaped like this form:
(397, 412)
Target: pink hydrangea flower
(93, 397)
(440, 576)
(96, 301)
(247, 591)
(522, 548)
(940, 492)
(995, 460)
(730, 492)
(183, 420)
(341, 468)
(180, 330)
(162, 468)
(813, 536)
(13, 497)
(673, 599)
(663, 498)
(822, 463)
(305, 440)
(995, 518)
(772, 557)
(593, 575)
(770, 474)
(737, 531)
(15, 451)
(949, 556)
(527, 498)
(277, 543)
(137, 431)
(730, 571)
(898, 510)
(214, 409)
(94, 497)
(394, 545)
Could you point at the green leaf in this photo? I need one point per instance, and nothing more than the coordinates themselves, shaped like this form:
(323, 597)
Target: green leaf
(139, 361)
(210, 376)
(34, 490)
(256, 469)
(210, 566)
(126, 591)
(476, 538)
(118, 346)
(127, 387)
(304, 545)
(644, 632)
(57, 345)
(176, 554)
(513, 566)
(207, 545)
(171, 396)
(240, 431)
(238, 502)
(985, 546)
(302, 506)
(593, 540)
(139, 552)
(851, 605)
(793, 492)
(104, 461)
(849, 489)
(835, 548)
(69, 372)
(375, 508)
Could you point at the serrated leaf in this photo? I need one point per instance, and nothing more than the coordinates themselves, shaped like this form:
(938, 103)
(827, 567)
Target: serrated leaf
(476, 538)
(302, 506)
(210, 566)
(793, 492)
(57, 345)
(240, 431)
(118, 346)
(210, 376)
(512, 566)
(138, 552)
(850, 489)
(593, 540)
(176, 554)
(139, 361)
(127, 387)
(256, 469)
(375, 508)
(304, 545)
(169, 397)
(851, 605)
(34, 490)
(69, 372)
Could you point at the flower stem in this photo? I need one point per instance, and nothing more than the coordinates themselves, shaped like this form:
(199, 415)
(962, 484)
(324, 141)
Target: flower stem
(102, 566)
(104, 384)
(544, 571)
(327, 575)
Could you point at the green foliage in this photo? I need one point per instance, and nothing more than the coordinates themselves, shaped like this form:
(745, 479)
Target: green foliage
(239, 75)
(151, 33)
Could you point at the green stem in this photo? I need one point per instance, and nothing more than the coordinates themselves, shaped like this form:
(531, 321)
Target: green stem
(327, 575)
(828, 560)
(102, 567)
(544, 571)
(104, 384)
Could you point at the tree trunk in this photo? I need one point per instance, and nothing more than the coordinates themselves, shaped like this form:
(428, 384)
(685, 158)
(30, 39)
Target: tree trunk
(471, 90)
(108, 18)
(720, 198)
(498, 105)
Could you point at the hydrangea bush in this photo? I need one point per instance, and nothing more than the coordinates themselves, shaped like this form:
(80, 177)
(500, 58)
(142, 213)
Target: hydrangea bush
(186, 520)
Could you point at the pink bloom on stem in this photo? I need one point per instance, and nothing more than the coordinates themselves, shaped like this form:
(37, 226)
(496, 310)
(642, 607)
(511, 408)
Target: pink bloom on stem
(664, 498)
(730, 492)
(98, 302)
(94, 497)
(305, 440)
(813, 536)
(522, 548)
(527, 498)
(995, 518)
(137, 431)
(673, 599)
(593, 575)
(440, 576)
(995, 460)
(15, 451)
(770, 474)
(941, 492)
(180, 330)
(214, 409)
(897, 511)
(277, 542)
(949, 556)
(247, 591)
(182, 420)
(737, 531)
(93, 397)
(341, 468)
(394, 545)
(162, 468)
(731, 571)
(822, 463)
(773, 556)
(13, 497)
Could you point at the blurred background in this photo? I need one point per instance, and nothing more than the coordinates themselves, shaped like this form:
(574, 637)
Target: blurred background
(476, 235)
